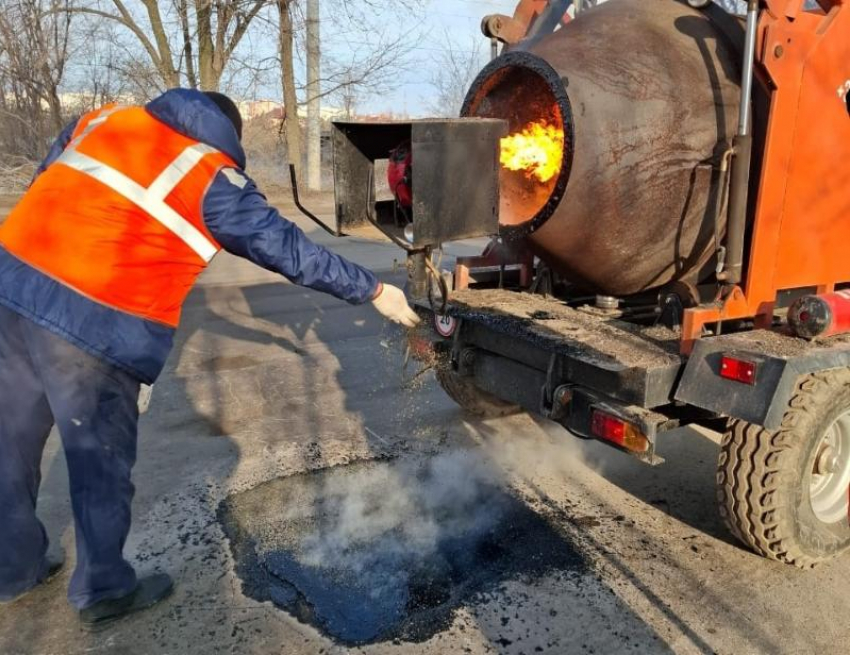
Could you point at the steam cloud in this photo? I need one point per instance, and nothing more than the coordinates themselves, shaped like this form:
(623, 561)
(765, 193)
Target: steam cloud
(393, 517)
(389, 516)
(376, 549)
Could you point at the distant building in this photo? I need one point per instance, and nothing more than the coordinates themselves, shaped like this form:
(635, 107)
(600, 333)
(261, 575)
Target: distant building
(381, 118)
(275, 110)
(251, 109)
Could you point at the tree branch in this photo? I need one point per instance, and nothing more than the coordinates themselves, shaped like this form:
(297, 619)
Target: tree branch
(126, 22)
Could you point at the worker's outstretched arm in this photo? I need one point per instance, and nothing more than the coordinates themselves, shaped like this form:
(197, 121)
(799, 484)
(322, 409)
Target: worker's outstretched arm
(57, 148)
(241, 220)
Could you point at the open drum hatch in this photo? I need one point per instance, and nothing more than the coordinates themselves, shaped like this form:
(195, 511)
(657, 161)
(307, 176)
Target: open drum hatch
(527, 92)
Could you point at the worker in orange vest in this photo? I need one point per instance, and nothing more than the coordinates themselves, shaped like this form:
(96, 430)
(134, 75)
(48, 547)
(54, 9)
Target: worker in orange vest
(96, 260)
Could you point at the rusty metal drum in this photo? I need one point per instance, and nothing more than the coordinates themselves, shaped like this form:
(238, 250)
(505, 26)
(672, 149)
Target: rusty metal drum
(647, 93)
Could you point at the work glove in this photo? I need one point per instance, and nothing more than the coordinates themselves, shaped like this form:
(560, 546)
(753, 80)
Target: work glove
(391, 302)
(145, 393)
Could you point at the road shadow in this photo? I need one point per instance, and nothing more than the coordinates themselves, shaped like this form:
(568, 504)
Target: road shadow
(395, 422)
(684, 486)
(268, 381)
(543, 450)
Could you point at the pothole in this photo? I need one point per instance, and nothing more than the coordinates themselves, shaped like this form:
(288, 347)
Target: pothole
(387, 550)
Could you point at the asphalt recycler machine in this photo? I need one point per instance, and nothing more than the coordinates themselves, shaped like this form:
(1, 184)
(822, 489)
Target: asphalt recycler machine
(666, 189)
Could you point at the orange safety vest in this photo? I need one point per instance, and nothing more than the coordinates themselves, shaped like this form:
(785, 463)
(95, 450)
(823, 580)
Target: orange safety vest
(118, 216)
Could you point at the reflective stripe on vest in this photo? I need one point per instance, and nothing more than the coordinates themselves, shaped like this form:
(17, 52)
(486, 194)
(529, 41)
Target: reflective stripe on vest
(119, 216)
(152, 199)
(93, 123)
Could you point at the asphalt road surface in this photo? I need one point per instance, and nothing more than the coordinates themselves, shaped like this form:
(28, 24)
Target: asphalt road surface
(311, 496)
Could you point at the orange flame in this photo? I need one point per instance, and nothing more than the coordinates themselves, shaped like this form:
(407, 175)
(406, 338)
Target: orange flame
(538, 149)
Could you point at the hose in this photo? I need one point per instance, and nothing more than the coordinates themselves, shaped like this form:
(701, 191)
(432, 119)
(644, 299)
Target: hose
(444, 288)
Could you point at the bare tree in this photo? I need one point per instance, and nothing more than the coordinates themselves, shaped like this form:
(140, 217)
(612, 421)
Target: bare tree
(373, 59)
(188, 54)
(221, 26)
(208, 31)
(35, 45)
(97, 77)
(286, 49)
(456, 70)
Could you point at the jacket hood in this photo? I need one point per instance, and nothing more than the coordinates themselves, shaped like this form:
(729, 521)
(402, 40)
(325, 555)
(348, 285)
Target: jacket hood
(192, 114)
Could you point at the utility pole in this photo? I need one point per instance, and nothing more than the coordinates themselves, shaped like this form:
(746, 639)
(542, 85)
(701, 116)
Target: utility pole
(314, 102)
(348, 97)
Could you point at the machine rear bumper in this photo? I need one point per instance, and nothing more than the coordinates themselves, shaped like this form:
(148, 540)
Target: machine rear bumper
(559, 399)
(779, 361)
(568, 365)
(631, 365)
(562, 364)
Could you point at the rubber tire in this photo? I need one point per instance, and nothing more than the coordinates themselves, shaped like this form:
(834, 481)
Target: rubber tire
(471, 399)
(763, 477)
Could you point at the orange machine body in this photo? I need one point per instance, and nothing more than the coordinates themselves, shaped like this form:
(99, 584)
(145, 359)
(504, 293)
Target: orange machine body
(510, 30)
(800, 222)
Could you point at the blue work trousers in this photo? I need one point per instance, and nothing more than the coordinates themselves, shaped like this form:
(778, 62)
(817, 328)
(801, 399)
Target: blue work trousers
(45, 380)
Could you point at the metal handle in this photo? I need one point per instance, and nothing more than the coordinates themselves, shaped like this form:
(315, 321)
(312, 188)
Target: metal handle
(297, 200)
(739, 193)
(370, 203)
(749, 65)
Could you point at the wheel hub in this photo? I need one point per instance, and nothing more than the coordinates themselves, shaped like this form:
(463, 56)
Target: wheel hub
(827, 461)
(830, 487)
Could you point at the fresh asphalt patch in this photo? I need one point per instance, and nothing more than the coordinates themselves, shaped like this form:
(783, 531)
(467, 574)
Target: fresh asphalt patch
(388, 550)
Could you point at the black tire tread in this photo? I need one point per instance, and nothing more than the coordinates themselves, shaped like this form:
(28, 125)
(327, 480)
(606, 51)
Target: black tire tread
(754, 467)
(471, 399)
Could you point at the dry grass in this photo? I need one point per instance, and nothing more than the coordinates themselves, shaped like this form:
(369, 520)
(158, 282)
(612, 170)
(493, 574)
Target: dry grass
(15, 176)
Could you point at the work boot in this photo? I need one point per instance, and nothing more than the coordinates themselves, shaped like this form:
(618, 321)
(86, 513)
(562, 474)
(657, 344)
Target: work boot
(149, 591)
(54, 567)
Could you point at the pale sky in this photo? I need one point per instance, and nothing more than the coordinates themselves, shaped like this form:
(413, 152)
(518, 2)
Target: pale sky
(461, 20)
(458, 20)
(431, 29)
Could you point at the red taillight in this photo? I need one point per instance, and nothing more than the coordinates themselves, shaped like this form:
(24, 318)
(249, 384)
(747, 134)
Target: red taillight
(608, 427)
(738, 370)
(620, 432)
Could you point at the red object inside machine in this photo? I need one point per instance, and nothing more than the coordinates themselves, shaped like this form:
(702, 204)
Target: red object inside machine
(400, 174)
